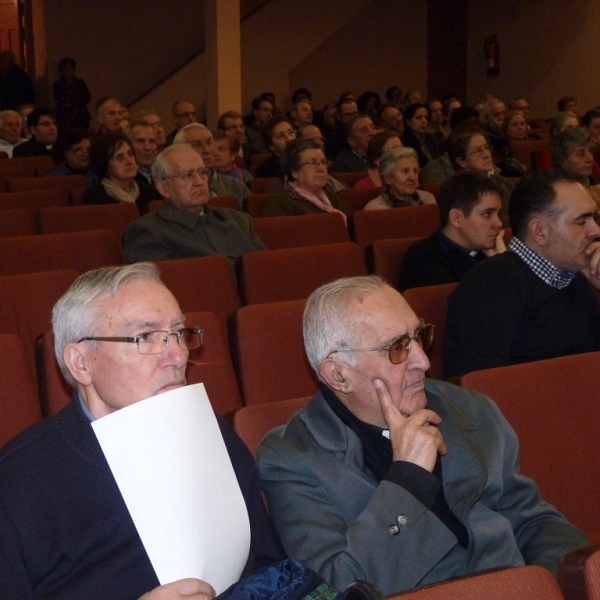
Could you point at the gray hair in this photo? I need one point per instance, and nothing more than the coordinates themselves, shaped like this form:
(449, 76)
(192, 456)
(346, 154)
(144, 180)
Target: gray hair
(75, 313)
(137, 122)
(292, 154)
(558, 121)
(327, 325)
(181, 137)
(388, 162)
(161, 167)
(9, 113)
(565, 143)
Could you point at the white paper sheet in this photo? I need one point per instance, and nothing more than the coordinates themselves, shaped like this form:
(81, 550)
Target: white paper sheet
(173, 470)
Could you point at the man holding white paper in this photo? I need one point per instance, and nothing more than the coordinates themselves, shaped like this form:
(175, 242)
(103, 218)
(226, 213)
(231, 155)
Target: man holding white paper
(66, 528)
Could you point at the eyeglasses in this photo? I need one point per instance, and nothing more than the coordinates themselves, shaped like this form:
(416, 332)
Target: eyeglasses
(479, 151)
(315, 164)
(191, 175)
(154, 342)
(399, 348)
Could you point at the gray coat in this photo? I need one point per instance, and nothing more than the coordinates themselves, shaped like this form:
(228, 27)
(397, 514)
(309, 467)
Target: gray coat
(332, 513)
(173, 233)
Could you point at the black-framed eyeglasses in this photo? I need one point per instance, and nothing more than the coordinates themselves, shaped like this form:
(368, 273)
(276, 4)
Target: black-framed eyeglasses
(399, 348)
(154, 342)
(190, 175)
(315, 164)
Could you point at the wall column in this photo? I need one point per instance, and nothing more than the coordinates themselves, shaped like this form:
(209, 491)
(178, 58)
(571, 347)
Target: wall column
(223, 59)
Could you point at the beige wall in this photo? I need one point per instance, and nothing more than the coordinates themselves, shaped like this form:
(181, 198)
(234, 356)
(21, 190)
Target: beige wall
(548, 49)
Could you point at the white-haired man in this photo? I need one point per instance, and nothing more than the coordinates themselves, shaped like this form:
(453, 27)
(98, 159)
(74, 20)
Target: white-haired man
(65, 531)
(10, 131)
(391, 478)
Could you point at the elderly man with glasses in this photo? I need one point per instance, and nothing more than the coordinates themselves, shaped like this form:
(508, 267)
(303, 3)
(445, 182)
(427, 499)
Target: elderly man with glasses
(389, 477)
(185, 226)
(65, 530)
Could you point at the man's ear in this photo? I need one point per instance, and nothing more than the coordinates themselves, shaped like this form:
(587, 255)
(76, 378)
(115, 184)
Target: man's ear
(455, 217)
(333, 373)
(538, 231)
(161, 186)
(75, 360)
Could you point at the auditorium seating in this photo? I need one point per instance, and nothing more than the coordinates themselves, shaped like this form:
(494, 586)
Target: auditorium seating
(12, 171)
(384, 257)
(79, 250)
(256, 160)
(268, 351)
(579, 574)
(431, 304)
(349, 178)
(553, 407)
(255, 204)
(19, 407)
(368, 226)
(33, 201)
(14, 222)
(258, 185)
(55, 392)
(252, 423)
(294, 273)
(357, 198)
(301, 230)
(525, 149)
(23, 184)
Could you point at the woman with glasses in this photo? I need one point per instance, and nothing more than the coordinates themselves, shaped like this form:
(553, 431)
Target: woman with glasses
(112, 160)
(277, 134)
(470, 150)
(304, 170)
(399, 173)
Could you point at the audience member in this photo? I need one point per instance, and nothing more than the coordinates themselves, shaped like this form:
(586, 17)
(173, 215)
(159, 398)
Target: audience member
(108, 115)
(522, 104)
(413, 97)
(65, 529)
(591, 122)
(399, 173)
(226, 151)
(561, 122)
(394, 95)
(232, 122)
(470, 231)
(15, 85)
(112, 159)
(438, 123)
(393, 478)
(277, 133)
(184, 113)
(534, 301)
(10, 131)
(304, 169)
(415, 136)
(186, 226)
(514, 129)
(24, 111)
(493, 114)
(42, 124)
(153, 118)
(72, 96)
(568, 104)
(379, 144)
(143, 139)
(301, 113)
(359, 130)
(337, 141)
(369, 103)
(75, 144)
(392, 117)
(262, 111)
(201, 140)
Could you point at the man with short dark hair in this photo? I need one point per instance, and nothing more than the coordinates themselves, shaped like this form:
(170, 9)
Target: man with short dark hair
(184, 113)
(75, 145)
(470, 231)
(534, 301)
(143, 139)
(233, 123)
(263, 111)
(42, 124)
(301, 113)
(359, 130)
(185, 226)
(392, 117)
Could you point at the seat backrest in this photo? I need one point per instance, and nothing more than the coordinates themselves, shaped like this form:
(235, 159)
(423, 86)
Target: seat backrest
(19, 406)
(12, 171)
(349, 178)
(433, 187)
(525, 583)
(553, 407)
(431, 304)
(32, 161)
(225, 202)
(256, 160)
(258, 185)
(252, 423)
(368, 226)
(301, 230)
(15, 221)
(55, 392)
(255, 204)
(114, 217)
(211, 364)
(269, 355)
(384, 257)
(79, 250)
(154, 205)
(294, 273)
(27, 302)
(203, 283)
(72, 182)
(579, 574)
(33, 201)
(357, 198)
(522, 150)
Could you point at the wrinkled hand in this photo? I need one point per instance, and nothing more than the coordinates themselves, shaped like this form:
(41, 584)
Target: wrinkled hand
(592, 271)
(415, 438)
(190, 589)
(499, 247)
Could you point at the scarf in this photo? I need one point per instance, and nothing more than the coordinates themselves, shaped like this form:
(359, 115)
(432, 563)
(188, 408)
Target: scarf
(394, 202)
(320, 199)
(114, 191)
